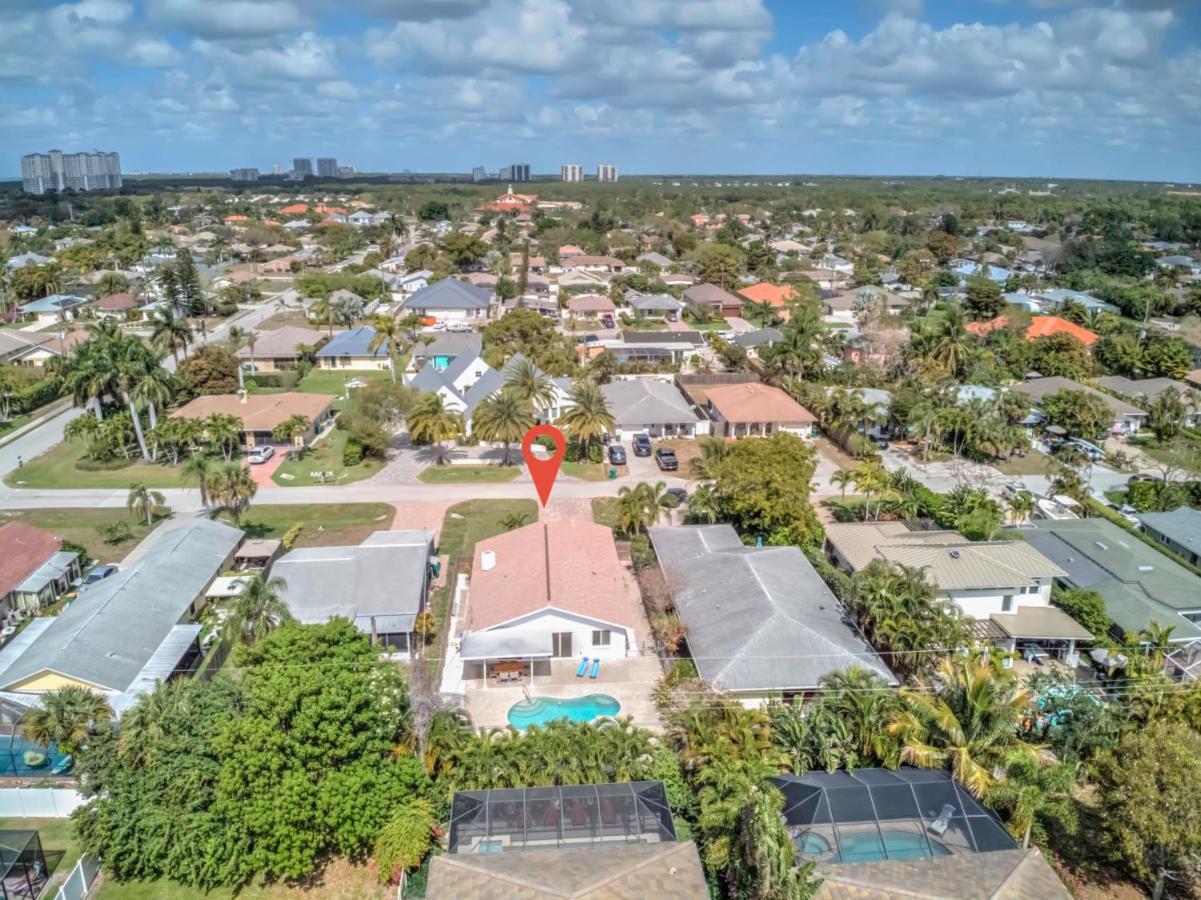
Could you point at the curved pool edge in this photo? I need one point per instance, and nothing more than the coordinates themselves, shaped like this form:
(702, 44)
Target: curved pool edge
(541, 710)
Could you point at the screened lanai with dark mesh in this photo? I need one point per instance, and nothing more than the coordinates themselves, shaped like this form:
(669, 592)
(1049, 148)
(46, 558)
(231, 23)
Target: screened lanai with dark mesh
(23, 865)
(881, 814)
(551, 818)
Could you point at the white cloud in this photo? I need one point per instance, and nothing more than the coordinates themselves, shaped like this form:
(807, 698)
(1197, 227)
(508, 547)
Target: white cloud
(227, 18)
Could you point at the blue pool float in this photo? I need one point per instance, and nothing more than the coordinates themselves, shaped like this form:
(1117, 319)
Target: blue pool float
(579, 673)
(595, 668)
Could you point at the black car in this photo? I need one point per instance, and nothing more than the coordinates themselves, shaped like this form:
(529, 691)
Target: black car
(642, 445)
(617, 455)
(680, 494)
(666, 458)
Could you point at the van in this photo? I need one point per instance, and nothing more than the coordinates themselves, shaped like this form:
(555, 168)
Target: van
(1095, 453)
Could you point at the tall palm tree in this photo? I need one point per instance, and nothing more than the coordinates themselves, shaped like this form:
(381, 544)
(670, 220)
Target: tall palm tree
(232, 487)
(170, 333)
(866, 704)
(1035, 795)
(67, 717)
(1021, 507)
(144, 501)
(965, 720)
(504, 417)
(952, 340)
(154, 390)
(132, 362)
(389, 333)
(200, 467)
(841, 479)
(529, 383)
(322, 309)
(257, 610)
(430, 420)
(587, 416)
(223, 432)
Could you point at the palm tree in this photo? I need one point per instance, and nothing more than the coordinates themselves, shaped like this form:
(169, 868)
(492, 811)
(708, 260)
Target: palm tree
(200, 467)
(640, 506)
(67, 717)
(952, 340)
(291, 428)
(866, 704)
(223, 432)
(170, 333)
(966, 721)
(704, 505)
(587, 416)
(841, 479)
(530, 384)
(504, 417)
(257, 610)
(232, 487)
(1034, 795)
(153, 390)
(144, 501)
(1021, 506)
(389, 333)
(713, 451)
(430, 420)
(111, 283)
(322, 309)
(132, 362)
(141, 725)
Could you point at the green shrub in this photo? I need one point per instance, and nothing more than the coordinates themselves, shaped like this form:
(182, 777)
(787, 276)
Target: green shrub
(405, 839)
(33, 396)
(117, 532)
(641, 553)
(1086, 607)
(288, 541)
(352, 453)
(286, 379)
(836, 580)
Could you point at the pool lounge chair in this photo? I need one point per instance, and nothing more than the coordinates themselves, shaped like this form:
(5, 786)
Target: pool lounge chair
(579, 673)
(595, 668)
(939, 825)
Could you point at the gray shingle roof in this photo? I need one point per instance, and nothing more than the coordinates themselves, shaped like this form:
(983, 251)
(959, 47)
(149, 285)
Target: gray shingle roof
(1182, 525)
(1040, 388)
(356, 342)
(452, 344)
(759, 618)
(449, 293)
(655, 303)
(759, 337)
(108, 635)
(647, 401)
(382, 581)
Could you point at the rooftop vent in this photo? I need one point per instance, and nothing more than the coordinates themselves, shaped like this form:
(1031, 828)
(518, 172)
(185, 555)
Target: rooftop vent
(488, 560)
(1100, 545)
(1146, 568)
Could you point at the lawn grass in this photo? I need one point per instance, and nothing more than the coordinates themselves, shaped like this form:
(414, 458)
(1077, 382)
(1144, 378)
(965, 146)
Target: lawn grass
(587, 471)
(59, 843)
(333, 381)
(14, 424)
(463, 526)
(469, 474)
(325, 456)
(340, 881)
(1033, 463)
(604, 511)
(86, 528)
(1189, 462)
(66, 466)
(325, 524)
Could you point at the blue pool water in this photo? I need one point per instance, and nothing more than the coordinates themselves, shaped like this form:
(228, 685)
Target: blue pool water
(540, 710)
(867, 846)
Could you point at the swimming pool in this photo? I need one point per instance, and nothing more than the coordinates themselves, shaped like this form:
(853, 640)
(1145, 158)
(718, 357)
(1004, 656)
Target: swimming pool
(867, 846)
(540, 710)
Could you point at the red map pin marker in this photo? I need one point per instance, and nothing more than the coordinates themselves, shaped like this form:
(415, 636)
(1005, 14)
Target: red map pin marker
(544, 471)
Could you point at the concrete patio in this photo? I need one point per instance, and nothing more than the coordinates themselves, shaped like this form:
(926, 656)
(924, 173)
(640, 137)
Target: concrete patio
(630, 681)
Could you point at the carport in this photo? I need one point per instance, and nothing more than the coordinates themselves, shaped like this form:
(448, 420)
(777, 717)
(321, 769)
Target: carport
(1047, 626)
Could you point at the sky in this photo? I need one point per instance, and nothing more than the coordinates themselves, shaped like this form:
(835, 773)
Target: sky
(1051, 88)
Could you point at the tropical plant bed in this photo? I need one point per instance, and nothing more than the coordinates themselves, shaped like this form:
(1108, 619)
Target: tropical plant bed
(66, 466)
(325, 524)
(324, 456)
(469, 474)
(340, 880)
(89, 528)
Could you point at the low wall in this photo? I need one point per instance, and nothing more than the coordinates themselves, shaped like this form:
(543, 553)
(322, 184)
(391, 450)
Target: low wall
(39, 803)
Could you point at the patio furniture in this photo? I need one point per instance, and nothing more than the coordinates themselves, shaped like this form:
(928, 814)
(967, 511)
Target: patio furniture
(63, 766)
(579, 673)
(595, 668)
(939, 825)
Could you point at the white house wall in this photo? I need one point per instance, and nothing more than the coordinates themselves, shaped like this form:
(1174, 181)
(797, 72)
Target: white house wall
(543, 623)
(980, 604)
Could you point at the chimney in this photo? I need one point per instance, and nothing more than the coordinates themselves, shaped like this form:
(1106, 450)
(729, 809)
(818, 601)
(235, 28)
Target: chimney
(488, 560)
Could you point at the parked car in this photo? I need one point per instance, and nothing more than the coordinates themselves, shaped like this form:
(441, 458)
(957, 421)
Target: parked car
(642, 445)
(1011, 489)
(608, 322)
(1035, 654)
(1092, 451)
(1127, 512)
(617, 455)
(680, 494)
(99, 573)
(1141, 477)
(459, 327)
(666, 459)
(260, 455)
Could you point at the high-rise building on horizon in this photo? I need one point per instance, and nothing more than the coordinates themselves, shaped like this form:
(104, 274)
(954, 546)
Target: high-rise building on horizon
(244, 174)
(276, 169)
(327, 167)
(302, 166)
(571, 172)
(519, 172)
(97, 170)
(479, 173)
(606, 172)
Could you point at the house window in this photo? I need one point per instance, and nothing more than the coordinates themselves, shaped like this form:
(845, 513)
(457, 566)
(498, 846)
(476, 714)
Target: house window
(1007, 603)
(601, 638)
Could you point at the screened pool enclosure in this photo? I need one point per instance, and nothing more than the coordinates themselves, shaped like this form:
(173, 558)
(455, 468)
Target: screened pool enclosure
(23, 864)
(873, 815)
(552, 818)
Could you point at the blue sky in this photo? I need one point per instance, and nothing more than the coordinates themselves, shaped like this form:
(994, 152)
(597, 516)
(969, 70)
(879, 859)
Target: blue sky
(1004, 87)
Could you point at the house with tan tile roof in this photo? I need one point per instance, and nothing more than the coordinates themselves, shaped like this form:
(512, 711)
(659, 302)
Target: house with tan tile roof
(273, 350)
(261, 413)
(752, 409)
(553, 589)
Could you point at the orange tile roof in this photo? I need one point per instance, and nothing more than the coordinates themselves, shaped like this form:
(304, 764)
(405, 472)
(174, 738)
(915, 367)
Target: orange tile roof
(766, 292)
(570, 564)
(753, 402)
(983, 328)
(296, 209)
(237, 218)
(23, 549)
(1040, 326)
(258, 412)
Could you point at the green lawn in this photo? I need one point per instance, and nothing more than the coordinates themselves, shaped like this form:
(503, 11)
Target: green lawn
(465, 524)
(339, 881)
(587, 471)
(469, 474)
(86, 528)
(1033, 463)
(604, 511)
(325, 524)
(59, 843)
(325, 456)
(14, 424)
(1190, 460)
(329, 381)
(66, 466)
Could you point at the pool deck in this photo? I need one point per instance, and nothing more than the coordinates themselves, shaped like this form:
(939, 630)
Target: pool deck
(630, 681)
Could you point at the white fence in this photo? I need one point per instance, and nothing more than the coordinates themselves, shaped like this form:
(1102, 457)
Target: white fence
(38, 803)
(79, 882)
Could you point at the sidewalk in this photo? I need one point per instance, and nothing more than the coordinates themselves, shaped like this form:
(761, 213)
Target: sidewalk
(57, 408)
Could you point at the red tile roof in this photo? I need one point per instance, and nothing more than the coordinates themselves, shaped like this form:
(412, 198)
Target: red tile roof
(1040, 326)
(766, 292)
(116, 302)
(570, 564)
(296, 209)
(23, 549)
(752, 403)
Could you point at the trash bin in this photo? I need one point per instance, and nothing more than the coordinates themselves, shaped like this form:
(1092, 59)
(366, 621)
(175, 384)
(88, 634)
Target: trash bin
(612, 472)
(437, 567)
